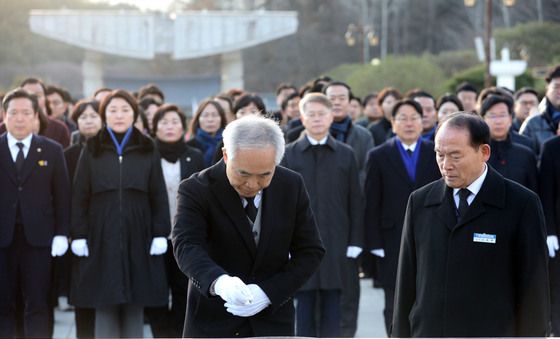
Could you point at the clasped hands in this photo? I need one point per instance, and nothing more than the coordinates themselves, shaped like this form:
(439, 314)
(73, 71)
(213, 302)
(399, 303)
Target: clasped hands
(240, 299)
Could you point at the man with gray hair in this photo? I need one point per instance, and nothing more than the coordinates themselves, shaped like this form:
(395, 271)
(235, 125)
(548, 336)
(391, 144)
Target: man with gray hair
(245, 236)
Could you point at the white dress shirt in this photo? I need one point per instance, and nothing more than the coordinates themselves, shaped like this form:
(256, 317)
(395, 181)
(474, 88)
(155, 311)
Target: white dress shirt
(14, 149)
(315, 142)
(474, 188)
(256, 201)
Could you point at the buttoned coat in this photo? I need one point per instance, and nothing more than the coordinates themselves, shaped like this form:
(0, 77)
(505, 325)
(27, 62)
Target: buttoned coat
(331, 178)
(43, 190)
(212, 236)
(387, 189)
(452, 284)
(119, 206)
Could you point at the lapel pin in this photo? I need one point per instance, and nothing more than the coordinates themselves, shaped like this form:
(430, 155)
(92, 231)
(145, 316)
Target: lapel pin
(42, 163)
(188, 158)
(39, 149)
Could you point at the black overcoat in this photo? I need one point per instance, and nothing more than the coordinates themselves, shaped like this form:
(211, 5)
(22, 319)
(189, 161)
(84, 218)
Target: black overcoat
(211, 236)
(331, 178)
(119, 207)
(387, 189)
(452, 284)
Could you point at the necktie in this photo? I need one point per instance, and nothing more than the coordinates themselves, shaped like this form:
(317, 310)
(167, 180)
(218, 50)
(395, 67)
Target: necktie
(250, 209)
(409, 152)
(463, 204)
(20, 158)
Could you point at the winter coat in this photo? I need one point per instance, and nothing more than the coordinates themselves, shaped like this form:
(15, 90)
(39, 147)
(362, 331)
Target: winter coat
(119, 205)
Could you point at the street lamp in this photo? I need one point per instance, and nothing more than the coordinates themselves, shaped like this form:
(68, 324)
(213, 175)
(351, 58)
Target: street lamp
(488, 34)
(366, 34)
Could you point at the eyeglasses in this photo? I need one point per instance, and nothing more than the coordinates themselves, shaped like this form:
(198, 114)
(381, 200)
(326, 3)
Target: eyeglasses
(408, 119)
(494, 116)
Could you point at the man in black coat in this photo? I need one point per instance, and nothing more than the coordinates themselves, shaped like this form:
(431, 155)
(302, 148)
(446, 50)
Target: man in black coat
(395, 169)
(512, 160)
(549, 191)
(473, 259)
(330, 173)
(245, 234)
(34, 216)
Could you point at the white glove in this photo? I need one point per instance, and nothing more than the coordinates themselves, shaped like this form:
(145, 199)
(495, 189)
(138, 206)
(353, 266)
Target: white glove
(159, 246)
(259, 303)
(59, 246)
(80, 248)
(552, 243)
(353, 252)
(233, 290)
(378, 252)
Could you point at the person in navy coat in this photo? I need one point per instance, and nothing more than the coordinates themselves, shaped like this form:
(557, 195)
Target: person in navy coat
(395, 169)
(34, 216)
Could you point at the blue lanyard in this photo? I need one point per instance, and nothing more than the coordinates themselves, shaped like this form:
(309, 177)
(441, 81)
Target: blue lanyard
(120, 147)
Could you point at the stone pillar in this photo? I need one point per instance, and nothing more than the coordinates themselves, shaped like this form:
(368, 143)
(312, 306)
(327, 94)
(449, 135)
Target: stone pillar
(92, 72)
(231, 70)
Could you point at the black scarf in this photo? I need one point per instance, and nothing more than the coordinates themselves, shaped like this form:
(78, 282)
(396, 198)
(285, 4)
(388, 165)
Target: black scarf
(171, 151)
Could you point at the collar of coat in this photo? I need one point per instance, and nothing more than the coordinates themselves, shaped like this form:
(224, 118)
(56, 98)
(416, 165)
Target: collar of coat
(102, 141)
(492, 192)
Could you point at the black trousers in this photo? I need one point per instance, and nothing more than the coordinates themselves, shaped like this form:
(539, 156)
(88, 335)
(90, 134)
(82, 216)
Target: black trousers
(350, 298)
(554, 277)
(165, 322)
(27, 269)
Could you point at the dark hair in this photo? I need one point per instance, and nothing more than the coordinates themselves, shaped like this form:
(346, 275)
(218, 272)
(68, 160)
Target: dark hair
(388, 91)
(466, 87)
(81, 106)
(64, 94)
(322, 78)
(234, 92)
(488, 91)
(479, 132)
(195, 125)
(367, 98)
(122, 94)
(409, 102)
(492, 100)
(353, 97)
(288, 99)
(246, 99)
(150, 89)
(284, 86)
(553, 73)
(419, 93)
(525, 90)
(338, 83)
(448, 97)
(34, 81)
(102, 89)
(164, 109)
(147, 102)
(17, 94)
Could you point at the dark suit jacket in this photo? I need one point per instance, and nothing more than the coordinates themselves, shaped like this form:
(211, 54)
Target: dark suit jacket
(212, 236)
(43, 191)
(449, 285)
(381, 131)
(549, 184)
(387, 189)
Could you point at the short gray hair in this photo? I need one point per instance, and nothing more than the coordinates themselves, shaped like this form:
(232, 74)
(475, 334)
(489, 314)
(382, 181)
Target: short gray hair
(253, 131)
(319, 98)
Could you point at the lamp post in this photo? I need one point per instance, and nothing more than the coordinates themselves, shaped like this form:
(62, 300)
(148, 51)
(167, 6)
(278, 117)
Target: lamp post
(366, 34)
(488, 34)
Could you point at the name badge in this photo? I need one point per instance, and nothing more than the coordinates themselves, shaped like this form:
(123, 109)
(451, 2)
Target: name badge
(484, 237)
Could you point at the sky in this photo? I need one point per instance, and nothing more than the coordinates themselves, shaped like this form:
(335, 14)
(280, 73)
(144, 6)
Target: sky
(161, 5)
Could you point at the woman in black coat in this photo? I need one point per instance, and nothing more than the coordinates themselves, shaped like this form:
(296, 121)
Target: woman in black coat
(206, 130)
(120, 223)
(86, 116)
(178, 162)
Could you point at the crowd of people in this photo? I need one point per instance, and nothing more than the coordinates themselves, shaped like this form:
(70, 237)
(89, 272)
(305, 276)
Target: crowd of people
(129, 209)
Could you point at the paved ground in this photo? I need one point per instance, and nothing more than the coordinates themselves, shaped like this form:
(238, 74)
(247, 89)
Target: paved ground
(370, 320)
